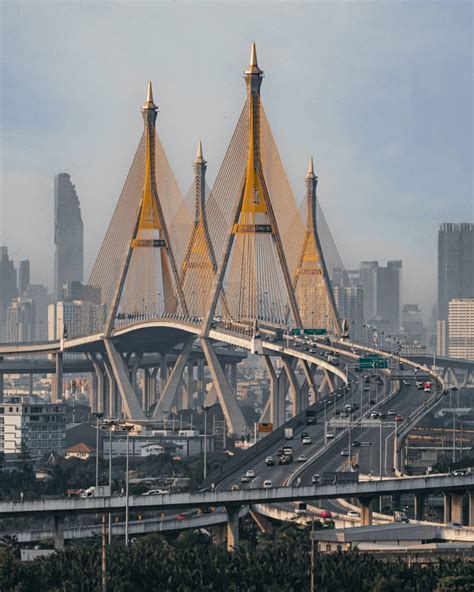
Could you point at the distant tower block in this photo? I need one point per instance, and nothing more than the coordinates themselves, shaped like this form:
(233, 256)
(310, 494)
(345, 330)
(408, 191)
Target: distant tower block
(199, 264)
(312, 285)
(253, 269)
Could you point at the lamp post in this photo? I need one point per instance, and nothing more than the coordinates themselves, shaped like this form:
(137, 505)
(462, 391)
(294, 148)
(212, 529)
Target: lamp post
(109, 426)
(453, 390)
(97, 416)
(205, 409)
(128, 429)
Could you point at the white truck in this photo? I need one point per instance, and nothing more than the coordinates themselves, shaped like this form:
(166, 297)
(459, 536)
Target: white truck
(288, 433)
(100, 491)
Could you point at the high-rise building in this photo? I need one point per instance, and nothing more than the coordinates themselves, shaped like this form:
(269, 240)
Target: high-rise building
(23, 276)
(389, 284)
(8, 289)
(455, 272)
(38, 294)
(412, 323)
(68, 235)
(20, 320)
(32, 424)
(461, 328)
(368, 281)
(382, 293)
(350, 306)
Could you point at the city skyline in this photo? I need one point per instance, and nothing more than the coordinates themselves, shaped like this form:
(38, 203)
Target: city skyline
(342, 118)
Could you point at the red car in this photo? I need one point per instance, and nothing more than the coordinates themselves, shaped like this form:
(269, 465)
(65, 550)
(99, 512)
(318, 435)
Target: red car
(325, 514)
(398, 418)
(181, 516)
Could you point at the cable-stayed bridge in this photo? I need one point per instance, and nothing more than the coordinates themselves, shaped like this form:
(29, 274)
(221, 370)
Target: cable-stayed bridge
(237, 264)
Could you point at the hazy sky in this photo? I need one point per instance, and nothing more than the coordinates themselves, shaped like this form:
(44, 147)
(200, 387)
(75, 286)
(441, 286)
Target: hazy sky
(380, 94)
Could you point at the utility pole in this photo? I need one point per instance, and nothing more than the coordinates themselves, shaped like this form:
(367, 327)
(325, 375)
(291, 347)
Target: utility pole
(312, 588)
(104, 555)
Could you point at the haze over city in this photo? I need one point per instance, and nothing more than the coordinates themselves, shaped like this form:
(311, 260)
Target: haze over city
(379, 95)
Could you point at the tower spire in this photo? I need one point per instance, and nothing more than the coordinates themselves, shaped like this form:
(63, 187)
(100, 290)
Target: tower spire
(199, 157)
(253, 74)
(310, 168)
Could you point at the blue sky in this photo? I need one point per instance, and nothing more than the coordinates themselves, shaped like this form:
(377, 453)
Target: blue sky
(380, 94)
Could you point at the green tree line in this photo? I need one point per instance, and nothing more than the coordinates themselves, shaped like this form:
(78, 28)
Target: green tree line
(192, 562)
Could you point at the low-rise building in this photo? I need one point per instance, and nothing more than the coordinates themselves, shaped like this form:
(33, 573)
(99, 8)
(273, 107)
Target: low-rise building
(81, 451)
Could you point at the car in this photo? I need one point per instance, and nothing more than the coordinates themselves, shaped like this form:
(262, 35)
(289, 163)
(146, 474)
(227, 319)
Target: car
(329, 435)
(302, 458)
(306, 440)
(454, 525)
(355, 444)
(406, 383)
(344, 452)
(366, 388)
(180, 516)
(316, 479)
(267, 484)
(155, 492)
(269, 461)
(304, 435)
(391, 412)
(325, 514)
(375, 415)
(372, 401)
(419, 385)
(404, 520)
(461, 472)
(235, 488)
(353, 514)
(245, 479)
(206, 510)
(398, 418)
(250, 473)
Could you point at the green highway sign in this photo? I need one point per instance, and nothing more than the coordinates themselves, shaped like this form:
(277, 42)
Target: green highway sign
(296, 331)
(372, 362)
(314, 331)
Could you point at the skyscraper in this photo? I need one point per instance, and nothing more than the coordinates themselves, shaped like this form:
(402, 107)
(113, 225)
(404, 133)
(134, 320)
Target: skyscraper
(461, 328)
(68, 234)
(23, 276)
(455, 265)
(8, 289)
(455, 273)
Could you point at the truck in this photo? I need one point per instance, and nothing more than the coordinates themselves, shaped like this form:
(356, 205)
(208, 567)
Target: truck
(286, 459)
(288, 434)
(100, 491)
(287, 450)
(310, 417)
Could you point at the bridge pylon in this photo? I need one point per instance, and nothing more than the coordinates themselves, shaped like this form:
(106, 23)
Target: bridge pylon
(311, 281)
(253, 269)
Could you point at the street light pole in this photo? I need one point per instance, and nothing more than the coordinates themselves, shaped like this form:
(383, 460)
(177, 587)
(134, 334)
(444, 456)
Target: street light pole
(110, 483)
(128, 429)
(97, 416)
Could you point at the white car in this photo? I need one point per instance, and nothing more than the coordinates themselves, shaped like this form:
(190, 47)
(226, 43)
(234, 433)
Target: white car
(302, 458)
(155, 492)
(329, 435)
(344, 452)
(250, 473)
(267, 484)
(353, 514)
(306, 440)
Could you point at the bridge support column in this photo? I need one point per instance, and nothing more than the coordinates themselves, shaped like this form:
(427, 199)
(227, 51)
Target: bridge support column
(30, 384)
(274, 410)
(419, 505)
(471, 508)
(59, 533)
(200, 380)
(93, 398)
(456, 507)
(130, 402)
(232, 527)
(98, 385)
(365, 511)
(233, 378)
(294, 386)
(1, 382)
(447, 507)
(168, 394)
(190, 383)
(232, 413)
(57, 390)
(163, 372)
